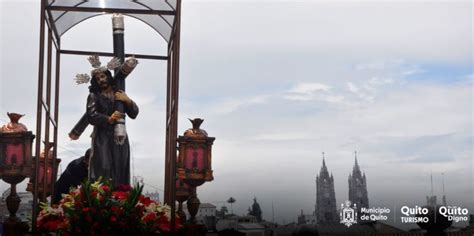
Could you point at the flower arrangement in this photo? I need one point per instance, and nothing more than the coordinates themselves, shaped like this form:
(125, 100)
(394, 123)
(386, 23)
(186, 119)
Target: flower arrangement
(98, 209)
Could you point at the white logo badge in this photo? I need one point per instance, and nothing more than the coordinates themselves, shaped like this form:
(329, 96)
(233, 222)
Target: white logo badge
(348, 214)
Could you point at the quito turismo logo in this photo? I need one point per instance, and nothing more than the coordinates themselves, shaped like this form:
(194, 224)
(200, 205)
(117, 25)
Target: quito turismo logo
(348, 214)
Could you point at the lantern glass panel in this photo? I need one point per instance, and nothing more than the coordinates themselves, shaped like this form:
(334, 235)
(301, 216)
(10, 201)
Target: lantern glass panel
(41, 174)
(49, 174)
(14, 154)
(194, 158)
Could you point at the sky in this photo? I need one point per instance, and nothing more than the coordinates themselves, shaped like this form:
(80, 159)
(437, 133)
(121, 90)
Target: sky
(278, 83)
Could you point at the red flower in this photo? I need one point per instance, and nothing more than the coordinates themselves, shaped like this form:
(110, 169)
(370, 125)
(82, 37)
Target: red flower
(52, 225)
(107, 214)
(145, 200)
(164, 224)
(105, 188)
(116, 210)
(102, 199)
(150, 217)
(177, 222)
(124, 188)
(120, 195)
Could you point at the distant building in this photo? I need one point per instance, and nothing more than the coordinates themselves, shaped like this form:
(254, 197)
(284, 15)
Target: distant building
(470, 227)
(206, 215)
(285, 230)
(256, 210)
(358, 187)
(306, 219)
(325, 209)
(206, 209)
(240, 225)
(221, 214)
(153, 196)
(243, 219)
(251, 229)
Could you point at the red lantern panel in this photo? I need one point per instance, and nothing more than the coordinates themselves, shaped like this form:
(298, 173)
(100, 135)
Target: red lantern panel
(179, 184)
(41, 174)
(14, 154)
(194, 159)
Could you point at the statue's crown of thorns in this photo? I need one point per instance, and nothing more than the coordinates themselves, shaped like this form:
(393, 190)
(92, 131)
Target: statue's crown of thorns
(95, 63)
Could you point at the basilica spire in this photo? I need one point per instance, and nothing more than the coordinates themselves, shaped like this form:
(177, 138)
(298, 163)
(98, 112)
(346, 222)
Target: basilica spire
(358, 185)
(356, 165)
(324, 169)
(324, 162)
(325, 208)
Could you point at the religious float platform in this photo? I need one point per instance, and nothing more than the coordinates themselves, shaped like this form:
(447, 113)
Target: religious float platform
(102, 207)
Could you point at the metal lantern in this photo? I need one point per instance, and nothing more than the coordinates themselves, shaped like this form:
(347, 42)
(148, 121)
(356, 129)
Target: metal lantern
(194, 161)
(15, 150)
(15, 156)
(194, 168)
(15, 166)
(45, 163)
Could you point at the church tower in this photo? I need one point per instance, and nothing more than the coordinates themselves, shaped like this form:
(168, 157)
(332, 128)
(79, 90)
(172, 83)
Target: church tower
(358, 187)
(325, 211)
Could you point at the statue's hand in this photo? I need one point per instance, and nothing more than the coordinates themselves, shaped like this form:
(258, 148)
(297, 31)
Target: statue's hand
(122, 96)
(129, 65)
(115, 116)
(73, 136)
(131, 62)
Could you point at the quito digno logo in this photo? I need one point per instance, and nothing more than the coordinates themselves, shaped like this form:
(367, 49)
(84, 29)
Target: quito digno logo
(348, 213)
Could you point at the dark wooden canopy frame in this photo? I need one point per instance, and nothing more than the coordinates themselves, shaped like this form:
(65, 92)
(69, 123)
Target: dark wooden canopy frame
(44, 104)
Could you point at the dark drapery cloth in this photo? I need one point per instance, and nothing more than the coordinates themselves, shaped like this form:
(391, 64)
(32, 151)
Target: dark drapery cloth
(109, 159)
(75, 173)
(80, 126)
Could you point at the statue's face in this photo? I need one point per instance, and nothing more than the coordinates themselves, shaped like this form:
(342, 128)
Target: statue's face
(102, 80)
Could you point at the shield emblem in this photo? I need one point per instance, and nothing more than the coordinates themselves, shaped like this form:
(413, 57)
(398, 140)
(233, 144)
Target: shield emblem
(348, 214)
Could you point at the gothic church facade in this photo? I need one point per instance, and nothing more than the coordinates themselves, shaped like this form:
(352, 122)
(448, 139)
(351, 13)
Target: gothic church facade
(326, 210)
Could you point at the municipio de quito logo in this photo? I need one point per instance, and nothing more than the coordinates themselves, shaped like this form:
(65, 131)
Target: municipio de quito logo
(348, 214)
